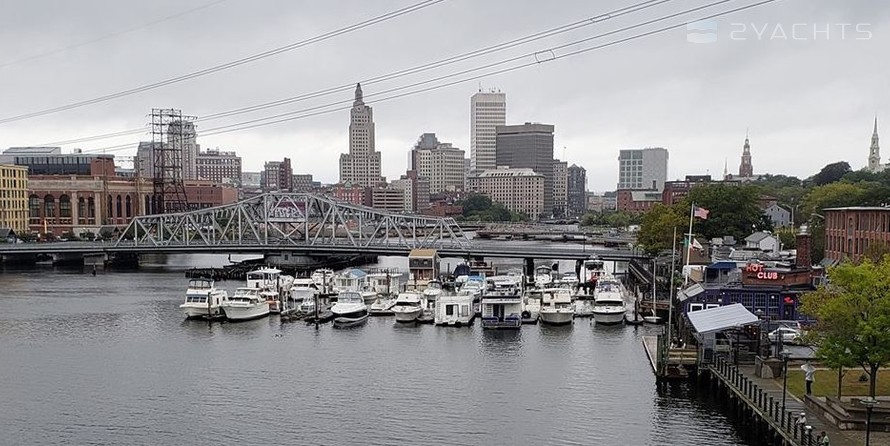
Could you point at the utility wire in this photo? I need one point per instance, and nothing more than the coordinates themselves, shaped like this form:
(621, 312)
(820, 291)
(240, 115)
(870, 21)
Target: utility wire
(108, 36)
(319, 111)
(245, 60)
(397, 74)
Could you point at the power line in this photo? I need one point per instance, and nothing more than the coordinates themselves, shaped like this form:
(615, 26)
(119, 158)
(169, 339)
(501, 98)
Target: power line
(399, 73)
(108, 36)
(306, 113)
(245, 60)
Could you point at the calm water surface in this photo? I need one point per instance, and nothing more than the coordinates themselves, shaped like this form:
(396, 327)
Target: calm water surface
(110, 360)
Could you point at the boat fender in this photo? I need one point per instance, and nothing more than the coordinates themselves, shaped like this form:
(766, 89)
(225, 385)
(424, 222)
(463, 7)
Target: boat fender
(526, 314)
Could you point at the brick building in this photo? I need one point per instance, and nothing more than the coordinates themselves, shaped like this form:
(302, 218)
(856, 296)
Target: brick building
(851, 231)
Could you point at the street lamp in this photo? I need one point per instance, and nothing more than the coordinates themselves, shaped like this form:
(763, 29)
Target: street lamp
(869, 403)
(759, 314)
(784, 354)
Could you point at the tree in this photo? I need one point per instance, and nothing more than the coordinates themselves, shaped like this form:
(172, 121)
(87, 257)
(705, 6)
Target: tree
(853, 314)
(734, 210)
(831, 173)
(657, 228)
(479, 207)
(831, 195)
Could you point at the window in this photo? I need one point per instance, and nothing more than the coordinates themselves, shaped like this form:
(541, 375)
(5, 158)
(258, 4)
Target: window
(49, 206)
(64, 206)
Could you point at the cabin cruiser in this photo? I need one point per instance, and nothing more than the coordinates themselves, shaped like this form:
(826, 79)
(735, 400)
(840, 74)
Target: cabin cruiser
(382, 306)
(270, 278)
(408, 307)
(592, 271)
(608, 301)
(246, 303)
(502, 303)
(472, 286)
(432, 291)
(454, 310)
(203, 299)
(350, 309)
(556, 306)
(543, 276)
(303, 289)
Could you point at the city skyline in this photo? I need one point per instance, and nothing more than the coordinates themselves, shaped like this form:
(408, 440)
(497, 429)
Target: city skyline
(701, 101)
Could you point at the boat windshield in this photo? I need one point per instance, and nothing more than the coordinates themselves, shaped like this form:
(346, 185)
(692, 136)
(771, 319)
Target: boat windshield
(196, 298)
(200, 284)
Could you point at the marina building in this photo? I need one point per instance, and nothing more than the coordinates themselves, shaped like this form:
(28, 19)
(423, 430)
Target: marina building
(519, 190)
(362, 165)
(642, 169)
(14, 198)
(487, 111)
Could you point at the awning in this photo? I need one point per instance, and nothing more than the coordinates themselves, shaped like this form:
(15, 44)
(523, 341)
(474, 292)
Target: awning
(721, 318)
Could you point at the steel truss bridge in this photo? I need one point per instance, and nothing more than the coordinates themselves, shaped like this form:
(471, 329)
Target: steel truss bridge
(306, 224)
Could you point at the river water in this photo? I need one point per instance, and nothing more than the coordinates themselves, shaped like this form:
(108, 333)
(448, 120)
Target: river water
(109, 360)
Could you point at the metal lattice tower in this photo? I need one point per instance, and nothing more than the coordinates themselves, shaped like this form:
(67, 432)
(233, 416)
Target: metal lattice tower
(169, 141)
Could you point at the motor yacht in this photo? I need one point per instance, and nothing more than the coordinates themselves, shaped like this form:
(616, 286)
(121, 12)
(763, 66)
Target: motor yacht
(408, 307)
(350, 309)
(556, 306)
(246, 303)
(203, 299)
(608, 301)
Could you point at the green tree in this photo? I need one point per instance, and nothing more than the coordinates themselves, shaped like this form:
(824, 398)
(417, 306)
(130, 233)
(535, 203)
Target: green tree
(831, 195)
(831, 173)
(657, 228)
(734, 210)
(853, 313)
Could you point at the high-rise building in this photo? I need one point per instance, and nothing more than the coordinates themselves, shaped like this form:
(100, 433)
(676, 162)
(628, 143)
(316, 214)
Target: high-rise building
(560, 183)
(361, 166)
(219, 167)
(519, 190)
(487, 111)
(528, 146)
(302, 182)
(440, 163)
(278, 176)
(576, 190)
(14, 198)
(874, 151)
(642, 169)
(181, 135)
(746, 169)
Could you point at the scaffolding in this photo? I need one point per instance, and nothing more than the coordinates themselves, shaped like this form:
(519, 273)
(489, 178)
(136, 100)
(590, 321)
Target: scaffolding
(172, 137)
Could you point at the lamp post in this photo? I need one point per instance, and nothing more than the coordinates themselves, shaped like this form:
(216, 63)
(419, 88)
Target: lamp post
(869, 404)
(759, 314)
(784, 354)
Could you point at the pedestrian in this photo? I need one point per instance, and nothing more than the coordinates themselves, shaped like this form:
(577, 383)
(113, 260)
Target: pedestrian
(801, 420)
(818, 440)
(809, 373)
(825, 441)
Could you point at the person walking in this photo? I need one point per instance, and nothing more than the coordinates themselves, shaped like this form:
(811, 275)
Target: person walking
(825, 441)
(809, 373)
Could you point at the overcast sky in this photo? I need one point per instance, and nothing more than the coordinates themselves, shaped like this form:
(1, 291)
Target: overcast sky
(805, 77)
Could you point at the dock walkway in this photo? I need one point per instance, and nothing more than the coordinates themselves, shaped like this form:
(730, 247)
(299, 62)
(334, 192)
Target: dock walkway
(764, 397)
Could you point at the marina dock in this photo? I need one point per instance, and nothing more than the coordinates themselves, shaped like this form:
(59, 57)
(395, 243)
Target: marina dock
(672, 365)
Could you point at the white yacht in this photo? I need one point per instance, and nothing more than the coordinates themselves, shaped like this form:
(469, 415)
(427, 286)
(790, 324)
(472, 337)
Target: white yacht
(382, 306)
(270, 278)
(408, 307)
(246, 303)
(307, 307)
(454, 310)
(472, 286)
(608, 301)
(350, 309)
(303, 289)
(432, 291)
(323, 279)
(557, 307)
(502, 303)
(203, 299)
(543, 276)
(593, 270)
(531, 304)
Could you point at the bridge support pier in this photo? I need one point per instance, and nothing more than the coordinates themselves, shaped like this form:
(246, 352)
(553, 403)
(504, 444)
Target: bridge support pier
(65, 259)
(97, 260)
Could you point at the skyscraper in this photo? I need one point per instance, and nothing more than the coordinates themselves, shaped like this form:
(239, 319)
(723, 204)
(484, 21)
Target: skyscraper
(440, 163)
(487, 111)
(576, 191)
(874, 151)
(746, 170)
(642, 168)
(560, 181)
(528, 146)
(181, 135)
(361, 166)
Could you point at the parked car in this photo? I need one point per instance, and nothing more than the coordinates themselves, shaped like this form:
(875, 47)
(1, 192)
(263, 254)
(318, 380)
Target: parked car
(788, 335)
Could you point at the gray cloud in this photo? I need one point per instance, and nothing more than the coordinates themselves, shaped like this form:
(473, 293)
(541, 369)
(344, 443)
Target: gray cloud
(807, 102)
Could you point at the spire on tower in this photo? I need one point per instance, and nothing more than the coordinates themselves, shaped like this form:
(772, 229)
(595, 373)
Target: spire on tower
(358, 96)
(875, 133)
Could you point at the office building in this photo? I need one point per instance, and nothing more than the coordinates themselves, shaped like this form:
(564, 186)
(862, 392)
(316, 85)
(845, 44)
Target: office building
(642, 169)
(438, 162)
(487, 111)
(51, 160)
(278, 176)
(576, 191)
(528, 146)
(519, 190)
(219, 167)
(14, 198)
(362, 165)
(560, 184)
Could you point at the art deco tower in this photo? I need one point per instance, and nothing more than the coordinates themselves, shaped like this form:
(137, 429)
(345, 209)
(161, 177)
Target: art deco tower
(361, 166)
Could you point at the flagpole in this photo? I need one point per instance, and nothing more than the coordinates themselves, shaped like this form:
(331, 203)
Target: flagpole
(671, 290)
(689, 244)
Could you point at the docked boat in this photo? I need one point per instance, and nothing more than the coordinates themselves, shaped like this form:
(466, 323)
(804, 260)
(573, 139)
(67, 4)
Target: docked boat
(245, 304)
(387, 283)
(303, 289)
(270, 278)
(502, 303)
(569, 278)
(531, 304)
(432, 291)
(408, 307)
(557, 307)
(308, 306)
(382, 306)
(323, 279)
(592, 271)
(543, 276)
(203, 299)
(350, 308)
(608, 301)
(454, 310)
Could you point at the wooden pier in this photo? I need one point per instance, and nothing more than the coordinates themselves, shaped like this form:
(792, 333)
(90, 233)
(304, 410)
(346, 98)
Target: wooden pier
(672, 364)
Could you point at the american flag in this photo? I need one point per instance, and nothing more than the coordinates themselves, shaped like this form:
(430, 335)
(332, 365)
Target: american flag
(701, 213)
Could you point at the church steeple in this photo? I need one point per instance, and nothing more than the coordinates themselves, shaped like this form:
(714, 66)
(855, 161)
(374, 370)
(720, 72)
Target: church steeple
(358, 96)
(874, 151)
(746, 169)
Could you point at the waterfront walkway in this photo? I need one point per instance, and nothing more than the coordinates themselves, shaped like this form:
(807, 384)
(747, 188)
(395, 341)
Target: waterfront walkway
(764, 397)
